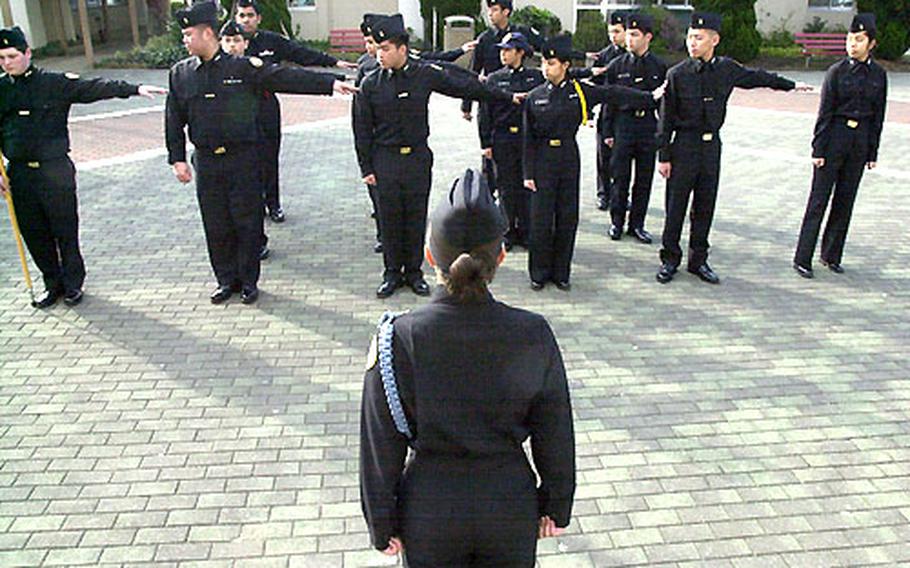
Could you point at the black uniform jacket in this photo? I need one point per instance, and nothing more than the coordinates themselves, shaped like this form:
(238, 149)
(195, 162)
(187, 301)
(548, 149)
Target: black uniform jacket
(275, 48)
(472, 393)
(697, 94)
(219, 99)
(644, 73)
(391, 107)
(35, 106)
(501, 117)
(554, 112)
(856, 91)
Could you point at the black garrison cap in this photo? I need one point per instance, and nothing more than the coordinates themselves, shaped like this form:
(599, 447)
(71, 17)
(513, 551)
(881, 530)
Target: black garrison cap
(199, 13)
(705, 21)
(13, 37)
(864, 22)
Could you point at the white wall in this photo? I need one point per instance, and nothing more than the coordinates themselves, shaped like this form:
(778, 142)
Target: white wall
(27, 15)
(410, 9)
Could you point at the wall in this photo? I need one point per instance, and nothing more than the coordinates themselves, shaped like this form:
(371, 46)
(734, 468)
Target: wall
(27, 15)
(327, 15)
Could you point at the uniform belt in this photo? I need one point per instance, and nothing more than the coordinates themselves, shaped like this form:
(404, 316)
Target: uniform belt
(852, 124)
(33, 165)
(707, 136)
(405, 150)
(514, 129)
(640, 113)
(554, 142)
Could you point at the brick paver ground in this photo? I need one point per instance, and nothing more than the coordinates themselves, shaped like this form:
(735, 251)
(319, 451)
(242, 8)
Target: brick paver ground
(763, 422)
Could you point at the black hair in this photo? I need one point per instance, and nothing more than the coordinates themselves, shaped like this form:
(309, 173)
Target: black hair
(250, 4)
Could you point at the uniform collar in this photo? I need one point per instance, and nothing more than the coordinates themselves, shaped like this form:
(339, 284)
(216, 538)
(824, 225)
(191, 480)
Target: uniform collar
(442, 296)
(518, 69)
(29, 74)
(219, 57)
(858, 63)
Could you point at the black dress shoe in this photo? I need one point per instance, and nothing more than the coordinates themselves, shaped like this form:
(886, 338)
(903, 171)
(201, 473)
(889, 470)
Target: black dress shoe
(507, 244)
(420, 287)
(602, 203)
(277, 215)
(73, 297)
(537, 286)
(221, 294)
(387, 288)
(834, 267)
(264, 252)
(564, 285)
(377, 247)
(249, 295)
(642, 236)
(804, 271)
(615, 233)
(46, 300)
(704, 272)
(666, 273)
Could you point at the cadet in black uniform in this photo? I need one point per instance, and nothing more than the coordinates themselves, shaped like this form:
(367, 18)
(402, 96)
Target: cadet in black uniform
(847, 135)
(553, 113)
(366, 64)
(500, 135)
(634, 129)
(274, 48)
(391, 131)
(448, 380)
(692, 113)
(34, 109)
(605, 136)
(217, 96)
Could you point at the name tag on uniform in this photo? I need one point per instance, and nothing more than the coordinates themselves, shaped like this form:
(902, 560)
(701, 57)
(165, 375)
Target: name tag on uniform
(233, 81)
(266, 53)
(403, 95)
(541, 102)
(639, 79)
(210, 95)
(708, 99)
(555, 143)
(623, 75)
(573, 96)
(25, 112)
(852, 123)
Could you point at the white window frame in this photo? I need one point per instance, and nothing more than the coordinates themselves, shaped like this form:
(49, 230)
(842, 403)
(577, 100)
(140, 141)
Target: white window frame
(303, 8)
(830, 8)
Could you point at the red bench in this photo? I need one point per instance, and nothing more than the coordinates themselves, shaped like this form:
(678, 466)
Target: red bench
(821, 44)
(347, 40)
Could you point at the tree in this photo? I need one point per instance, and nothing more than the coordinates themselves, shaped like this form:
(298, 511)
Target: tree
(739, 38)
(893, 18)
(275, 15)
(542, 20)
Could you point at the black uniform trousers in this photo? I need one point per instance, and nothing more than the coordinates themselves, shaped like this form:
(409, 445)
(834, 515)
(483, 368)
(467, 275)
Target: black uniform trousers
(374, 201)
(458, 514)
(230, 199)
(554, 212)
(604, 178)
(515, 199)
(403, 179)
(841, 173)
(635, 141)
(44, 195)
(270, 148)
(696, 171)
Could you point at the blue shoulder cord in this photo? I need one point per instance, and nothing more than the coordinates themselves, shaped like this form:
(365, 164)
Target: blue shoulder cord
(387, 372)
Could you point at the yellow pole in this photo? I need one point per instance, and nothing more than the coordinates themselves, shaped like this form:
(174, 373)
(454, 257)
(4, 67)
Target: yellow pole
(16, 234)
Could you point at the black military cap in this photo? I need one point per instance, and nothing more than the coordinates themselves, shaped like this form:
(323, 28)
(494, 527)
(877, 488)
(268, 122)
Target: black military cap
(618, 19)
(13, 37)
(249, 4)
(369, 20)
(641, 22)
(389, 27)
(466, 218)
(705, 21)
(204, 12)
(560, 47)
(232, 28)
(504, 4)
(864, 22)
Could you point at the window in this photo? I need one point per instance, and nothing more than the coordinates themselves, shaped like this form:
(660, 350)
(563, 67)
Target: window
(311, 4)
(831, 4)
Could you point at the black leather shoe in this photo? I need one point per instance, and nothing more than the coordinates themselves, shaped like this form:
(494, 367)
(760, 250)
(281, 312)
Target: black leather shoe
(804, 271)
(615, 233)
(277, 215)
(46, 300)
(564, 285)
(834, 267)
(221, 294)
(666, 273)
(249, 295)
(537, 286)
(602, 203)
(377, 247)
(264, 252)
(73, 297)
(705, 273)
(420, 287)
(642, 236)
(507, 244)
(387, 288)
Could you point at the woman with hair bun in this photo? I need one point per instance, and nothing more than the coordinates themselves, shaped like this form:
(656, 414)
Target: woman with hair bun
(449, 398)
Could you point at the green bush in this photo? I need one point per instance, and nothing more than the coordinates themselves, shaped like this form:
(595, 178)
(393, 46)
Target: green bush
(893, 17)
(590, 31)
(816, 26)
(669, 32)
(739, 38)
(159, 52)
(276, 16)
(544, 21)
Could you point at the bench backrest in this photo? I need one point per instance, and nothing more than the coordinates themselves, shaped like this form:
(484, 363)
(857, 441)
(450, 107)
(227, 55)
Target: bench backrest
(347, 40)
(828, 43)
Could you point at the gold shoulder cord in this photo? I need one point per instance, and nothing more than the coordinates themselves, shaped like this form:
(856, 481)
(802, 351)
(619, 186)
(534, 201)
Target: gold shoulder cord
(583, 101)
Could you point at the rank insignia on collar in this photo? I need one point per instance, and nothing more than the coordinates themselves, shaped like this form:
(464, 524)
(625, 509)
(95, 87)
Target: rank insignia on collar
(72, 76)
(372, 354)
(255, 61)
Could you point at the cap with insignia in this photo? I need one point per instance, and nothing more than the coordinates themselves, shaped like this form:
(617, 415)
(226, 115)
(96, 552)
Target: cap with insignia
(389, 27)
(366, 26)
(466, 218)
(618, 19)
(204, 12)
(13, 37)
(504, 4)
(864, 22)
(641, 22)
(516, 40)
(560, 47)
(232, 28)
(705, 21)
